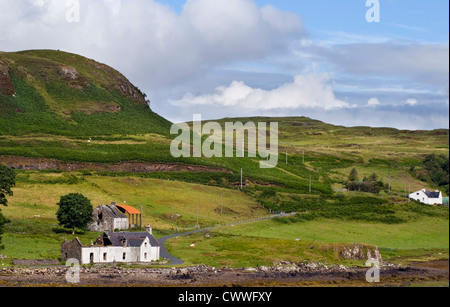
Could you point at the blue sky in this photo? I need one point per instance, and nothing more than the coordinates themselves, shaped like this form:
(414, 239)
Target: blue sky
(232, 58)
(408, 19)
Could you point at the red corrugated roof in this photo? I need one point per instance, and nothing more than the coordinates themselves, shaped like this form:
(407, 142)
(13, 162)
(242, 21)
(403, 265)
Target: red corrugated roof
(129, 209)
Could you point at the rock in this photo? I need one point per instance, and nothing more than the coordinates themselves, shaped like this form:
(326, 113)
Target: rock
(263, 269)
(69, 72)
(359, 252)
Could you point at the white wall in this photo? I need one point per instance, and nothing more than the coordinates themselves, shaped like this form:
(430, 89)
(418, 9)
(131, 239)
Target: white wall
(145, 253)
(423, 198)
(121, 223)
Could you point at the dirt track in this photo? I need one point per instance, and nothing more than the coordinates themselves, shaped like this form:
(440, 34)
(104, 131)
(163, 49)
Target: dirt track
(203, 276)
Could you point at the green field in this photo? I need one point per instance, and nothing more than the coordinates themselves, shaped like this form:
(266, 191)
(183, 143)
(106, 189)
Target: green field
(96, 118)
(265, 243)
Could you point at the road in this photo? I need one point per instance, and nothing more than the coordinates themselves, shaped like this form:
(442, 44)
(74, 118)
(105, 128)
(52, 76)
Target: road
(176, 261)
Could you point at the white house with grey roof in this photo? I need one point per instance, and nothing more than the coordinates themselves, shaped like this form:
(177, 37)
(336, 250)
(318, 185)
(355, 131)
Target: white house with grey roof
(114, 247)
(427, 197)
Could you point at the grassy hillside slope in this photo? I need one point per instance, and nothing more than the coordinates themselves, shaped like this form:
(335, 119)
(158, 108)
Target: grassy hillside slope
(69, 124)
(58, 93)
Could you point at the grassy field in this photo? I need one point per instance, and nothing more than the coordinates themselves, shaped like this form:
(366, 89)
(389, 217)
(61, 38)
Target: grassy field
(33, 230)
(423, 237)
(72, 109)
(163, 202)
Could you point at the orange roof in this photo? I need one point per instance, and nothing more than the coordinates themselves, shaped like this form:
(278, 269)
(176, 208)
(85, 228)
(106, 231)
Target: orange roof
(129, 209)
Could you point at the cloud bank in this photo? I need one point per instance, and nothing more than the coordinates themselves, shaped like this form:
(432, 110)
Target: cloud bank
(148, 40)
(309, 91)
(232, 58)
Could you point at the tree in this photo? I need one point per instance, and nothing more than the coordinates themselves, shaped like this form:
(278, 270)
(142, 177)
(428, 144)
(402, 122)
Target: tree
(353, 175)
(75, 211)
(373, 177)
(7, 182)
(353, 180)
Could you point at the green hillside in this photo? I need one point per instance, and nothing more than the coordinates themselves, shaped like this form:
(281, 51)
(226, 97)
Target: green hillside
(58, 93)
(72, 125)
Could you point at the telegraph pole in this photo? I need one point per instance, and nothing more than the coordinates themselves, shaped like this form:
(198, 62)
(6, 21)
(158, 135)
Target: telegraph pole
(389, 185)
(197, 218)
(140, 221)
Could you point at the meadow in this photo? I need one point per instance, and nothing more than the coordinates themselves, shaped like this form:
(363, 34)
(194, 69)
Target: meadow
(320, 229)
(423, 236)
(100, 117)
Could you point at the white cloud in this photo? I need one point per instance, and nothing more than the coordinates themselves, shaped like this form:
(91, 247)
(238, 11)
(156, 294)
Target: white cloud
(207, 43)
(148, 41)
(308, 91)
(412, 102)
(373, 102)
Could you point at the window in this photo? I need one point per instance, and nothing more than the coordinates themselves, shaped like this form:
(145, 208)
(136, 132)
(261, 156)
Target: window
(105, 256)
(124, 256)
(145, 256)
(145, 244)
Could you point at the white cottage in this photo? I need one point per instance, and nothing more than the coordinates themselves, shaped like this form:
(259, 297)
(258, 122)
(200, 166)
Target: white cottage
(427, 197)
(115, 247)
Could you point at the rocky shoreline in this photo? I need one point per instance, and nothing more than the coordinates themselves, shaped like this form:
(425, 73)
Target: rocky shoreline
(282, 274)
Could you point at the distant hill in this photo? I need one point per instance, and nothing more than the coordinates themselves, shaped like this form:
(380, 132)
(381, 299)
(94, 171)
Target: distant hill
(66, 112)
(54, 92)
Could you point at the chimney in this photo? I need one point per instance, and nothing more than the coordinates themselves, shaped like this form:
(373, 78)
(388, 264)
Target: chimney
(148, 229)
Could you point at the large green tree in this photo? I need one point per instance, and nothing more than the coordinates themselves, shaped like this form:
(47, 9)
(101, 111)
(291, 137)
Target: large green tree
(7, 182)
(75, 211)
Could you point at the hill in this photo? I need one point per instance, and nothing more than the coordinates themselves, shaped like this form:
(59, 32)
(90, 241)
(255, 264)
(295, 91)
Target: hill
(61, 111)
(59, 93)
(70, 124)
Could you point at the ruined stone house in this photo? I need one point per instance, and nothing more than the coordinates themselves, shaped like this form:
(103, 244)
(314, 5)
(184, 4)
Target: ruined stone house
(114, 217)
(114, 247)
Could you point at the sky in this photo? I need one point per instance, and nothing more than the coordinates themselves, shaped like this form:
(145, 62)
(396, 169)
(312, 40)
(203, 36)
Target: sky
(236, 58)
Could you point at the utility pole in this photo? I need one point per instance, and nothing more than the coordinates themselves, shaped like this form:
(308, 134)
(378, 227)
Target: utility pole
(197, 218)
(303, 157)
(221, 204)
(286, 158)
(241, 178)
(310, 183)
(389, 185)
(142, 212)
